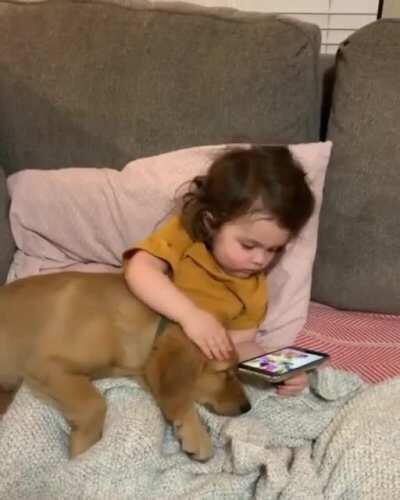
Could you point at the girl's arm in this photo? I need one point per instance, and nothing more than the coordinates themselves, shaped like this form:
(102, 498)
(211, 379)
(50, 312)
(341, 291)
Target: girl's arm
(147, 277)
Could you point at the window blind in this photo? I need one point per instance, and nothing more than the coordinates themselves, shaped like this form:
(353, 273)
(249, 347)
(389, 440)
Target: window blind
(336, 18)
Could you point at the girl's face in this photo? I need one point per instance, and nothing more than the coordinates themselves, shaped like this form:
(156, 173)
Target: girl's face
(247, 245)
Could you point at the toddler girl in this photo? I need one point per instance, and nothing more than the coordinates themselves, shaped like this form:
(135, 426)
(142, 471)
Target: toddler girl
(206, 267)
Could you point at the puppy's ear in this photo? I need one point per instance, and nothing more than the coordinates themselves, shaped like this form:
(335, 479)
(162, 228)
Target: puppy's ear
(180, 372)
(172, 370)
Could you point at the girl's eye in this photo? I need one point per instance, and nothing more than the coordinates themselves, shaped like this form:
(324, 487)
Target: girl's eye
(247, 246)
(277, 250)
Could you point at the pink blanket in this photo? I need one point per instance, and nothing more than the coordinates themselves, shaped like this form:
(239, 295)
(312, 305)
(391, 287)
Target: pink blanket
(364, 343)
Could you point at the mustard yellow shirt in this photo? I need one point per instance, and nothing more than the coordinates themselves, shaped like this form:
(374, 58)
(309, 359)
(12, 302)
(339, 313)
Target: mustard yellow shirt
(239, 303)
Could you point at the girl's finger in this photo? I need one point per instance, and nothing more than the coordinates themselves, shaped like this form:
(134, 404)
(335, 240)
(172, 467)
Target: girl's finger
(225, 350)
(224, 342)
(296, 380)
(216, 351)
(284, 390)
(206, 350)
(218, 346)
(291, 388)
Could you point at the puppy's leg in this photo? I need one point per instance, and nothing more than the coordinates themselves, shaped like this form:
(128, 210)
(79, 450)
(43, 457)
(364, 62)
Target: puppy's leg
(77, 398)
(193, 435)
(171, 373)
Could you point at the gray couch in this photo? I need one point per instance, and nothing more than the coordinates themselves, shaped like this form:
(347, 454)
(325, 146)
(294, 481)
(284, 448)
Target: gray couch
(93, 83)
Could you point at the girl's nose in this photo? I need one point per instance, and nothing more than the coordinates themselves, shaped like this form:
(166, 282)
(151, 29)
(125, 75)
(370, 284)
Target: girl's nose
(259, 259)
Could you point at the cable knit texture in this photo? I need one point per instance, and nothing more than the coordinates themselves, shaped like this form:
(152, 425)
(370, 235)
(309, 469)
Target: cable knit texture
(337, 440)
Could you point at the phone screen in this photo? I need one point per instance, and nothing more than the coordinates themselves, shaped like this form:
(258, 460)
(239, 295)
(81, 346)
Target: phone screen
(283, 361)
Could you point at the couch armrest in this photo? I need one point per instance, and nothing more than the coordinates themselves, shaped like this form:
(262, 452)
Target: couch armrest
(7, 245)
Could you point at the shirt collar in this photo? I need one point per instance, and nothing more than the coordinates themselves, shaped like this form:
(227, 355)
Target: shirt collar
(199, 253)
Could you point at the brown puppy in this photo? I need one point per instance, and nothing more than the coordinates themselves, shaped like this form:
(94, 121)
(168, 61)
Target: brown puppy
(60, 331)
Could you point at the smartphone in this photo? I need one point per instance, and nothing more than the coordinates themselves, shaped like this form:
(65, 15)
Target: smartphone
(279, 365)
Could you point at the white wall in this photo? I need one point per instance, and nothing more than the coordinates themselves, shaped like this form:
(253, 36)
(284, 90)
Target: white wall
(336, 18)
(391, 8)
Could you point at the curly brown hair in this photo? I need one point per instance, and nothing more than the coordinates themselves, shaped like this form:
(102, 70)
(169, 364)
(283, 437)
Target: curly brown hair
(237, 180)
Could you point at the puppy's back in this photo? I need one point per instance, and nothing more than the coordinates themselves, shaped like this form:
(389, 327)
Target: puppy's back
(28, 307)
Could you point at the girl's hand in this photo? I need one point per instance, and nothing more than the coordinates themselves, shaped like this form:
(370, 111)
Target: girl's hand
(293, 385)
(208, 334)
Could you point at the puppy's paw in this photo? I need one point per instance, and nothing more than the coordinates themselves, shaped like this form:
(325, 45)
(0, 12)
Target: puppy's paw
(195, 441)
(80, 441)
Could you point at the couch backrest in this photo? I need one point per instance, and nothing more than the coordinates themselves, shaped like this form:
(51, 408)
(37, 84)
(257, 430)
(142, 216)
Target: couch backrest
(358, 265)
(87, 83)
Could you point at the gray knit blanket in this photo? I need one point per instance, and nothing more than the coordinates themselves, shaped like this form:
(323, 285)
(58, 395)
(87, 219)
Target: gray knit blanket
(339, 439)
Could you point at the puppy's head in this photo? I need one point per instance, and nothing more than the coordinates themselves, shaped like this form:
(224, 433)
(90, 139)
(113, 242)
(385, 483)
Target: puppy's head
(179, 373)
(218, 388)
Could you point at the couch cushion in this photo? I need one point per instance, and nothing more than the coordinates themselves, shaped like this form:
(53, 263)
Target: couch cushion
(90, 83)
(7, 245)
(358, 264)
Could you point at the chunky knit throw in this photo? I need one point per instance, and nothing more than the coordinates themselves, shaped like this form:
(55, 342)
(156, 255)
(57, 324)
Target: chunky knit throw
(339, 439)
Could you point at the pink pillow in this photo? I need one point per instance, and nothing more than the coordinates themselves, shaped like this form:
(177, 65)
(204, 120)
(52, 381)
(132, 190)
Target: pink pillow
(80, 218)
